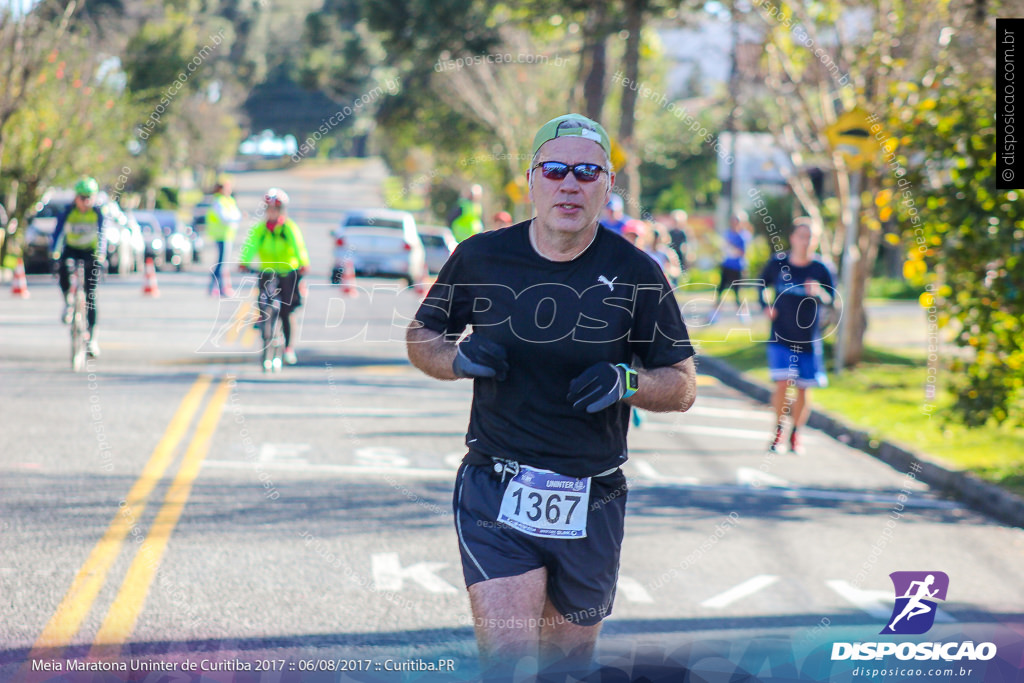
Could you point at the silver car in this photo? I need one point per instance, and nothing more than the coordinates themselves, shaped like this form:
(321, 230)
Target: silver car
(379, 243)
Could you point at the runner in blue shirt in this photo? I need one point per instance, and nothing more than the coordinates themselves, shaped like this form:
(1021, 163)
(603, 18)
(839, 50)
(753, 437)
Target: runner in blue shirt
(802, 285)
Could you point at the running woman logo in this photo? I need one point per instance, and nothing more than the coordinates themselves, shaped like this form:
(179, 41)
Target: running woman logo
(916, 593)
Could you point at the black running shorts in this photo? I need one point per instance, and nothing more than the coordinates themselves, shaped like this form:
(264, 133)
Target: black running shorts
(582, 572)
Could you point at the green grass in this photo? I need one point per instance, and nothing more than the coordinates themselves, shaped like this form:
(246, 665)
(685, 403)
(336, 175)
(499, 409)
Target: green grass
(396, 198)
(885, 396)
(890, 288)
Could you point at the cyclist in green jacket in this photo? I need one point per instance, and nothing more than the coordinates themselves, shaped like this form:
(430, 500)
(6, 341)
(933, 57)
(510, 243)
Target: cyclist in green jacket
(278, 244)
(79, 235)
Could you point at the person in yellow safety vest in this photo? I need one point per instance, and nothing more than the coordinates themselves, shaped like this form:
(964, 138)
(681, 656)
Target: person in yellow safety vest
(281, 250)
(467, 219)
(221, 225)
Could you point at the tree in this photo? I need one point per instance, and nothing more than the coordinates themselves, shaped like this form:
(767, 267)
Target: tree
(26, 43)
(821, 60)
(963, 235)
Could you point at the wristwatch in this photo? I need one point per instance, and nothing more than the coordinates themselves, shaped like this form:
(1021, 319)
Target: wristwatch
(632, 380)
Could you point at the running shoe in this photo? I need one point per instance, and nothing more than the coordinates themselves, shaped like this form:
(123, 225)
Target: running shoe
(795, 447)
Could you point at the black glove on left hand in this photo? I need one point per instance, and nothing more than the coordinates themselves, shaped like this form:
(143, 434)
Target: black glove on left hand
(598, 387)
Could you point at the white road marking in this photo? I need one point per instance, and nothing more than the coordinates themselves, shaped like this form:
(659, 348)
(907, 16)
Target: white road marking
(388, 574)
(633, 590)
(749, 414)
(454, 459)
(345, 412)
(877, 604)
(645, 470)
(703, 430)
(283, 453)
(748, 476)
(381, 456)
(359, 471)
(748, 587)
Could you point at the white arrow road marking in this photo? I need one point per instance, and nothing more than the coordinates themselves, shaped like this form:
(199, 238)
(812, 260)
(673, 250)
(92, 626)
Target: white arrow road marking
(748, 476)
(388, 574)
(283, 452)
(633, 590)
(748, 587)
(878, 604)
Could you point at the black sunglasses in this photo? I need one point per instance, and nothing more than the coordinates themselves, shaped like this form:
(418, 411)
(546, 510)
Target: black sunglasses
(557, 170)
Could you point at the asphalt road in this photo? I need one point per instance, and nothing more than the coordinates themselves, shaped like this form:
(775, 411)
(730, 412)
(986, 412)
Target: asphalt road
(176, 504)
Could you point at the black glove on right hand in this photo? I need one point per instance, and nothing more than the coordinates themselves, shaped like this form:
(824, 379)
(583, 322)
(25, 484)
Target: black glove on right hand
(480, 357)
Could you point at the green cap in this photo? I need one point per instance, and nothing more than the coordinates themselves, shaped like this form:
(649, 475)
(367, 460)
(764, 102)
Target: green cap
(87, 187)
(572, 124)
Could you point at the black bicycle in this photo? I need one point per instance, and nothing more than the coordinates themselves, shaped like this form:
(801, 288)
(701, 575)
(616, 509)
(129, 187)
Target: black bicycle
(271, 328)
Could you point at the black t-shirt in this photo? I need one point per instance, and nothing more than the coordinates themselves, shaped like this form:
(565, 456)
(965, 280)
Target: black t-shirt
(798, 315)
(555, 319)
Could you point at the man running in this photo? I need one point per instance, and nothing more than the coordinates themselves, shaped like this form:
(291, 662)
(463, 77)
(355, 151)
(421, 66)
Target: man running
(80, 232)
(281, 250)
(802, 284)
(571, 327)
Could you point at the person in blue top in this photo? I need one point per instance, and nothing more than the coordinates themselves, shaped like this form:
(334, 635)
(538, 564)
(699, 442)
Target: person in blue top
(734, 262)
(802, 285)
(79, 235)
(615, 217)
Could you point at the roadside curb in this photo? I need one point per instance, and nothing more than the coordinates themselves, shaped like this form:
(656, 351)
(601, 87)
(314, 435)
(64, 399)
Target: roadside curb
(964, 486)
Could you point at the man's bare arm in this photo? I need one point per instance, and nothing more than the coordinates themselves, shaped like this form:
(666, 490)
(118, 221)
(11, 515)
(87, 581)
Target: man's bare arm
(429, 352)
(668, 389)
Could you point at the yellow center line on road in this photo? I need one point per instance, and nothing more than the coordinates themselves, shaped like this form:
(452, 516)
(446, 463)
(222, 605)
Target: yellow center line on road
(75, 606)
(127, 606)
(249, 338)
(239, 320)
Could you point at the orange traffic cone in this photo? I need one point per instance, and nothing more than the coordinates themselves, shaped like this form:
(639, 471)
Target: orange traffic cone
(20, 285)
(348, 278)
(422, 285)
(149, 287)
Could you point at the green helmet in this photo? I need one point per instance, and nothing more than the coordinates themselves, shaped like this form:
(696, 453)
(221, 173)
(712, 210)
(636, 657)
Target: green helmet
(87, 187)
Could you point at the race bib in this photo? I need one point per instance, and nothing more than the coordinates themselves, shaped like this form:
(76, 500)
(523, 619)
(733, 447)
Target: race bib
(545, 504)
(82, 229)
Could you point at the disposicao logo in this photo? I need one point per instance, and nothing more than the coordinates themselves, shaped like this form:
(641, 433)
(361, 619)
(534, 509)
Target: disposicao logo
(916, 595)
(914, 614)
